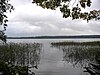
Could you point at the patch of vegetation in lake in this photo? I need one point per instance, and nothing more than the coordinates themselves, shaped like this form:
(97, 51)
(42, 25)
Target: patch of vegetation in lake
(81, 54)
(19, 58)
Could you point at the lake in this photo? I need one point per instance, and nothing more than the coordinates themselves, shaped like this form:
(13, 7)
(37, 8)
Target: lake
(56, 60)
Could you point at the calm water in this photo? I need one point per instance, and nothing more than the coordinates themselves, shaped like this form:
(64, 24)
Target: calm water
(53, 60)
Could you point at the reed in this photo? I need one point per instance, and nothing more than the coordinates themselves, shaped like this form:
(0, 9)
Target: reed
(81, 54)
(20, 54)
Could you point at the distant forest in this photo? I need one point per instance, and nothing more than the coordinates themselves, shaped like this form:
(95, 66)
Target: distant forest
(56, 37)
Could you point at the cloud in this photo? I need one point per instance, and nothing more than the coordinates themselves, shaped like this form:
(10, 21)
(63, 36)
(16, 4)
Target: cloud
(30, 20)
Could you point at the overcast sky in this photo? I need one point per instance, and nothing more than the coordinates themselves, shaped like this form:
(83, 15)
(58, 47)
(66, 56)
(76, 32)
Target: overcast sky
(30, 20)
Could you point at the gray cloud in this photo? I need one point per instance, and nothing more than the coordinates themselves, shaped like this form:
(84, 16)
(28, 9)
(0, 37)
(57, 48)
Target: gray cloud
(30, 20)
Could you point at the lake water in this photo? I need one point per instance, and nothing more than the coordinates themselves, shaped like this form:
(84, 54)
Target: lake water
(52, 61)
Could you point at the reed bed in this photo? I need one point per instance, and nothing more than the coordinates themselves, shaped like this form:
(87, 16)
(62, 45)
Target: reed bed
(79, 53)
(93, 43)
(17, 58)
(20, 53)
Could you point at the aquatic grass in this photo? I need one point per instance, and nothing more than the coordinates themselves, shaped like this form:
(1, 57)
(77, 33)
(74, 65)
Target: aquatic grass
(79, 53)
(92, 43)
(20, 55)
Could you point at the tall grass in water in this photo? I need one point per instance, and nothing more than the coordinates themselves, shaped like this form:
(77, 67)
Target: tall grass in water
(81, 54)
(20, 54)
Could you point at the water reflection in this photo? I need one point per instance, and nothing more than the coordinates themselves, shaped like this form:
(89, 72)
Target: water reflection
(81, 54)
(19, 57)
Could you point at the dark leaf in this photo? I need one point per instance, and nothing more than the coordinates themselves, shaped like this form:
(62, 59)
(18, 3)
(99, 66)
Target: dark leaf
(5, 24)
(5, 20)
(5, 16)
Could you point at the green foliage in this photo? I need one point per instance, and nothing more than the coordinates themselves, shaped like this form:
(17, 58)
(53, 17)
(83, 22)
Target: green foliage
(3, 36)
(4, 8)
(73, 12)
